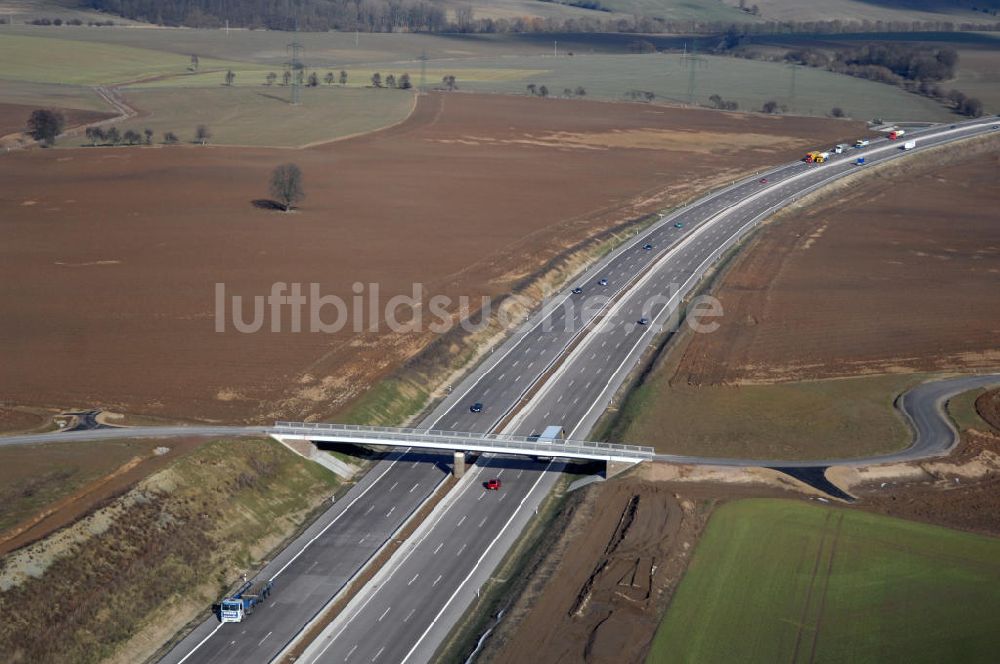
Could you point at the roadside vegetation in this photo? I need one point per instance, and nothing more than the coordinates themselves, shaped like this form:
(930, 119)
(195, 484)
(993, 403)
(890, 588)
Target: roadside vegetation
(127, 577)
(780, 580)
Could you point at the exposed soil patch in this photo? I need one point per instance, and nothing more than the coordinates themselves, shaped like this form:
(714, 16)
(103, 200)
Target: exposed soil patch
(124, 247)
(20, 419)
(14, 117)
(897, 273)
(600, 593)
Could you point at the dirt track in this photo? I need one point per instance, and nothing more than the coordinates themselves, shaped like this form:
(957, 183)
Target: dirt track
(898, 274)
(115, 253)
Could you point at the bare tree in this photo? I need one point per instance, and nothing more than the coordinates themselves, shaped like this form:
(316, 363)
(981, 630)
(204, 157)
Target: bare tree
(94, 134)
(170, 138)
(580, 91)
(343, 77)
(532, 89)
(390, 81)
(113, 136)
(149, 135)
(44, 125)
(271, 78)
(837, 112)
(377, 80)
(543, 91)
(230, 77)
(132, 137)
(404, 82)
(449, 82)
(286, 185)
(313, 80)
(202, 134)
(286, 77)
(328, 79)
(769, 106)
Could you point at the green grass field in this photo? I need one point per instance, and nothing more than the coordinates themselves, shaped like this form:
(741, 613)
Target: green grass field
(51, 94)
(263, 116)
(962, 410)
(40, 59)
(786, 581)
(804, 420)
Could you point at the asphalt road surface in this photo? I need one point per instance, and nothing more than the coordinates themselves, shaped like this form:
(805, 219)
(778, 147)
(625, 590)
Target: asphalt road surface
(404, 615)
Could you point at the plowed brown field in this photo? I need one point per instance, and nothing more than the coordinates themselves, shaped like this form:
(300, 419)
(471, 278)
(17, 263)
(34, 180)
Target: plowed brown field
(900, 274)
(14, 117)
(110, 257)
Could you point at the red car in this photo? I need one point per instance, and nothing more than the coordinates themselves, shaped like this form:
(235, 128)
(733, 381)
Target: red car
(493, 484)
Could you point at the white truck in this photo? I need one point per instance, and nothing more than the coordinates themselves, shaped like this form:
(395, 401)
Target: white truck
(861, 143)
(841, 148)
(909, 145)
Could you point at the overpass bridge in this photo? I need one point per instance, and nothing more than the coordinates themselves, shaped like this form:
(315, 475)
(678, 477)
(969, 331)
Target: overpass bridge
(545, 445)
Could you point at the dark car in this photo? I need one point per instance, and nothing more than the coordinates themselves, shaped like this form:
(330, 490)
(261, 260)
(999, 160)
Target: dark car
(577, 290)
(678, 225)
(602, 282)
(647, 246)
(643, 321)
(763, 180)
(476, 407)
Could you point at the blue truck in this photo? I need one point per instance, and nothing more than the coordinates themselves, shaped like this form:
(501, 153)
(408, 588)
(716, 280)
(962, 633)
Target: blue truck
(244, 601)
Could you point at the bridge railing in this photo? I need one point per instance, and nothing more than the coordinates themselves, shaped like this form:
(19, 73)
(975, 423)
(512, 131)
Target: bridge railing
(558, 447)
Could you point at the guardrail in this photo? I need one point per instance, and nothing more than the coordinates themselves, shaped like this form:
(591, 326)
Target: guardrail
(465, 440)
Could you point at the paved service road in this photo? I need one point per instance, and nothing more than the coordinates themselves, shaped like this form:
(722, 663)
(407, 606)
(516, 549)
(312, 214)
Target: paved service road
(585, 346)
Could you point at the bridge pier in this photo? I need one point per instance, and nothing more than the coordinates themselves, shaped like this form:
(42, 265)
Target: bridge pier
(458, 467)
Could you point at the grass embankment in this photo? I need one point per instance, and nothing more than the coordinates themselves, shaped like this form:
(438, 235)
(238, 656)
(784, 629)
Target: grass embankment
(962, 410)
(33, 476)
(818, 419)
(126, 578)
(777, 580)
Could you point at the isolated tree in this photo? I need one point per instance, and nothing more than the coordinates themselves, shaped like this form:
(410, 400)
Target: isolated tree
(44, 125)
(449, 82)
(343, 77)
(131, 137)
(113, 136)
(230, 77)
(93, 135)
(390, 81)
(286, 77)
(170, 138)
(532, 88)
(971, 107)
(404, 82)
(286, 185)
(377, 80)
(769, 106)
(271, 78)
(837, 112)
(328, 79)
(202, 134)
(543, 91)
(313, 80)
(149, 135)
(194, 63)
(580, 92)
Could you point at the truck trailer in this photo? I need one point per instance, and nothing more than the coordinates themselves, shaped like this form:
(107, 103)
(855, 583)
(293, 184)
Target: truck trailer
(244, 601)
(816, 157)
(861, 143)
(896, 133)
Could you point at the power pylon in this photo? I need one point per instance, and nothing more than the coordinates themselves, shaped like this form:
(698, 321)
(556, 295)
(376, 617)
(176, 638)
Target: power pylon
(693, 61)
(295, 67)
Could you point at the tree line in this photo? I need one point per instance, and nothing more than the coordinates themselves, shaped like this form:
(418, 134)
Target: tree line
(424, 16)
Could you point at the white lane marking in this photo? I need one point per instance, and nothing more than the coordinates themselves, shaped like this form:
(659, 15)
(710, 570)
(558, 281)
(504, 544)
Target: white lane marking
(351, 652)
(201, 643)
(393, 486)
(413, 579)
(384, 614)
(264, 639)
(438, 548)
(480, 496)
(393, 509)
(370, 508)
(414, 487)
(436, 580)
(462, 520)
(462, 549)
(502, 496)
(409, 615)
(501, 472)
(378, 653)
(486, 552)
(482, 522)
(415, 463)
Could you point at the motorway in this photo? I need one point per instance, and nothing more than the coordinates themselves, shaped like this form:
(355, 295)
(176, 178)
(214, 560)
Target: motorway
(584, 347)
(406, 614)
